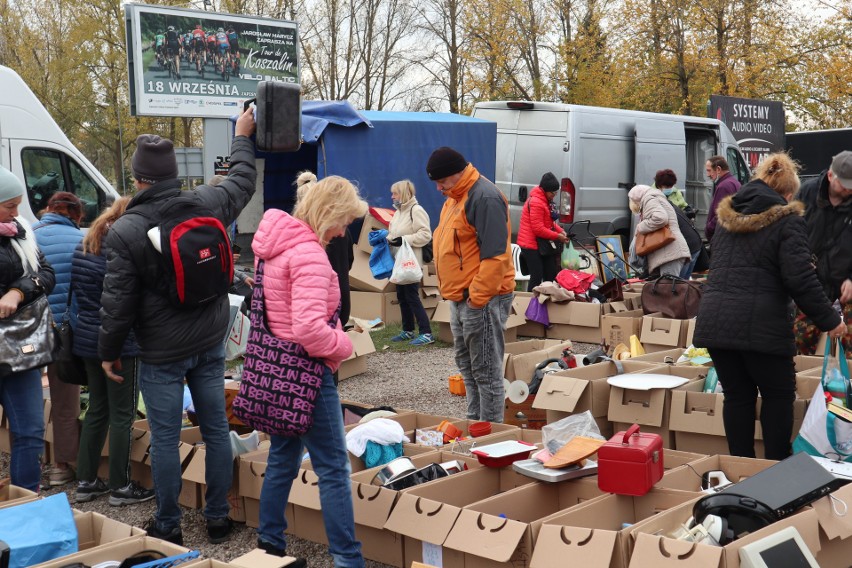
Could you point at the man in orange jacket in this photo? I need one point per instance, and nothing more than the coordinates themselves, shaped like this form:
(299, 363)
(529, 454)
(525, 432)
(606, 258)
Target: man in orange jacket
(473, 259)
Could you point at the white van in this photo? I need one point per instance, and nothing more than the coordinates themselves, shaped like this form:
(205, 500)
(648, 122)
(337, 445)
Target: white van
(600, 153)
(36, 150)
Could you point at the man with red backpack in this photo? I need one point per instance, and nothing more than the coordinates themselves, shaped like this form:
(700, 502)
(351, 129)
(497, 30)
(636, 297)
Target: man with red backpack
(168, 271)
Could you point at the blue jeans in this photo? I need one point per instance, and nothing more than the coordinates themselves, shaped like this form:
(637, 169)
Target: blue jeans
(479, 343)
(22, 399)
(326, 443)
(686, 272)
(162, 390)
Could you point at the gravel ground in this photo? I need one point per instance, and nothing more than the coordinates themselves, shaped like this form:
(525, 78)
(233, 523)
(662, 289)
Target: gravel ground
(415, 379)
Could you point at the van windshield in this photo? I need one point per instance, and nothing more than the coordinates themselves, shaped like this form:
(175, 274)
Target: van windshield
(48, 171)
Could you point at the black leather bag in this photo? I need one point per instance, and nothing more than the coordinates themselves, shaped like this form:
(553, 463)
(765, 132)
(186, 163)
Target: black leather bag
(672, 296)
(28, 338)
(70, 367)
(546, 247)
(279, 116)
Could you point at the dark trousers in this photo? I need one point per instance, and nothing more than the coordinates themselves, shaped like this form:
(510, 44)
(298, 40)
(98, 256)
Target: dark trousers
(742, 374)
(541, 268)
(412, 308)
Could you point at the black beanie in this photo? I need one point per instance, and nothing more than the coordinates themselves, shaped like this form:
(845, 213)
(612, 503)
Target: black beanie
(445, 162)
(154, 159)
(549, 182)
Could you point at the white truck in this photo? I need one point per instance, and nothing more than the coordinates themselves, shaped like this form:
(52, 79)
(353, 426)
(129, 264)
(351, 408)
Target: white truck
(36, 150)
(598, 154)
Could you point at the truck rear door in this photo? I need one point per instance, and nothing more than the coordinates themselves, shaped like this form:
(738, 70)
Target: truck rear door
(660, 144)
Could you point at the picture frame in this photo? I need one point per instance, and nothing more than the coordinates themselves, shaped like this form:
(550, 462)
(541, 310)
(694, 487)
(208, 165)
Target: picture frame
(611, 255)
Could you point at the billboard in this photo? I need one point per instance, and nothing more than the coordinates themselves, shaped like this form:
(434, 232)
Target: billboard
(203, 64)
(757, 125)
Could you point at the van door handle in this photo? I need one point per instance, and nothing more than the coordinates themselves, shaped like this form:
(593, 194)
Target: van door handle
(522, 193)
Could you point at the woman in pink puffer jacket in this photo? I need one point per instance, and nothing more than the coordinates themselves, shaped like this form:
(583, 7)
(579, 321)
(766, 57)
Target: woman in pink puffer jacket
(301, 295)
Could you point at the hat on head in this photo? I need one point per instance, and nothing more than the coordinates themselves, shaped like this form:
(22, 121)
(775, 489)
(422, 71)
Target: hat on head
(444, 162)
(841, 167)
(10, 186)
(549, 182)
(154, 159)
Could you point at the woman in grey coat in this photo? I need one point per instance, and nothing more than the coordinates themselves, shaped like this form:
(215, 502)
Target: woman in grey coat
(655, 212)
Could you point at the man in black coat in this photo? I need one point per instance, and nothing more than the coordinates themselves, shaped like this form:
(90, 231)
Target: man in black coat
(828, 213)
(176, 344)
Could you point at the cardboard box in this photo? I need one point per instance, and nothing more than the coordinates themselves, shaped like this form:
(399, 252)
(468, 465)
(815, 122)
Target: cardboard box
(11, 495)
(355, 364)
(95, 529)
(673, 459)
(442, 317)
(524, 356)
(429, 296)
(651, 408)
(371, 305)
(594, 535)
(430, 276)
(577, 321)
(690, 331)
(112, 551)
(498, 531)
(258, 558)
(660, 334)
(424, 515)
(688, 477)
(523, 415)
(668, 356)
(651, 547)
(835, 529)
(617, 327)
(195, 472)
(574, 391)
(361, 277)
(377, 218)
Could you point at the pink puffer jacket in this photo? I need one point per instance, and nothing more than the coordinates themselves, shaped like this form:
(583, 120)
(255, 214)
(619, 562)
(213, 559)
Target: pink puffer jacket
(300, 287)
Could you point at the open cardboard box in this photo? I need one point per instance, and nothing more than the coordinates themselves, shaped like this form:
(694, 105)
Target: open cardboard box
(688, 477)
(617, 327)
(661, 334)
(652, 548)
(252, 470)
(574, 391)
(371, 305)
(522, 357)
(12, 495)
(258, 558)
(651, 408)
(673, 459)
(195, 472)
(425, 514)
(116, 551)
(361, 277)
(594, 535)
(577, 321)
(835, 528)
(355, 364)
(668, 356)
(377, 218)
(498, 530)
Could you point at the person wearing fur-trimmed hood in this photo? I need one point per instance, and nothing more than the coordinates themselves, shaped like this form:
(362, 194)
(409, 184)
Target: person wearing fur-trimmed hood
(760, 262)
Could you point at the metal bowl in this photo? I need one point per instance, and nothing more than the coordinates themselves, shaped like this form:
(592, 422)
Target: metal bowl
(393, 470)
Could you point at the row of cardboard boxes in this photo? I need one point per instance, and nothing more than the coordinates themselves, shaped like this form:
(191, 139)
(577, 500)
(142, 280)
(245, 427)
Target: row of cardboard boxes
(101, 539)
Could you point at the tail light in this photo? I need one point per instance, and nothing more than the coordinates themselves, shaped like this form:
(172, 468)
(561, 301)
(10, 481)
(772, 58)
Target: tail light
(566, 201)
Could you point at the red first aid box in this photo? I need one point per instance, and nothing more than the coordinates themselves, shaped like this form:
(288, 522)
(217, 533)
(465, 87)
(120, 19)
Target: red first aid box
(630, 463)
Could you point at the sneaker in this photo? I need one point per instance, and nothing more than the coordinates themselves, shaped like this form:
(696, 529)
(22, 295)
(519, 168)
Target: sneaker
(422, 339)
(57, 477)
(403, 336)
(130, 494)
(174, 536)
(273, 551)
(88, 490)
(218, 530)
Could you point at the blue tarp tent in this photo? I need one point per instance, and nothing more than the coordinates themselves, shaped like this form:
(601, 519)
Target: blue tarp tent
(374, 149)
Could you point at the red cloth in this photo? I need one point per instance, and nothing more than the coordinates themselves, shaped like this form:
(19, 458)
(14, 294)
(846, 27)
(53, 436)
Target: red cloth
(536, 221)
(574, 280)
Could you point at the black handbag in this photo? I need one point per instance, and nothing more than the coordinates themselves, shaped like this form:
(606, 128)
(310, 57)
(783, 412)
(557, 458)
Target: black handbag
(546, 247)
(70, 368)
(672, 296)
(27, 338)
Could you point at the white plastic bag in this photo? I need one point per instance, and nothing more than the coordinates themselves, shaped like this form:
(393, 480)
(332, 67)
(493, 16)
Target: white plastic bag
(406, 269)
(237, 338)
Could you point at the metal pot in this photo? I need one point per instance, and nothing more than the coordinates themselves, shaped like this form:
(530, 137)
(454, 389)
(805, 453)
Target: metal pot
(393, 470)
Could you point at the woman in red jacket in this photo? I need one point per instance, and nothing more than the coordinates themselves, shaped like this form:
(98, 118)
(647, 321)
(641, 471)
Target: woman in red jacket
(537, 223)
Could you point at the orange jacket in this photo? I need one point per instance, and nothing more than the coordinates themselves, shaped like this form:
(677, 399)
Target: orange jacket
(472, 242)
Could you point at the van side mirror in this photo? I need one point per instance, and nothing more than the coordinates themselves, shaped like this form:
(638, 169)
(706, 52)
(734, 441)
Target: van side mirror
(522, 193)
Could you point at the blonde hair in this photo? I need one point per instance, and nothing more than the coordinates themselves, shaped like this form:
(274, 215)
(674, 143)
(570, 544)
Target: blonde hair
(405, 189)
(331, 201)
(780, 172)
(98, 229)
(304, 181)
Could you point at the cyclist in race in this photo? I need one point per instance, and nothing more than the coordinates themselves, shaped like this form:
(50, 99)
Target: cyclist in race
(234, 41)
(159, 44)
(224, 50)
(212, 51)
(173, 48)
(199, 41)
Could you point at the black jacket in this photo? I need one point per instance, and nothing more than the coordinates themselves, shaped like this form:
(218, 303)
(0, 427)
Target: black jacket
(760, 260)
(13, 275)
(688, 230)
(165, 333)
(829, 234)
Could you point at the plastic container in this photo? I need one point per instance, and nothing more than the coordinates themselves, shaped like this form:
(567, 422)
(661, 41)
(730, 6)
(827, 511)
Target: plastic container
(457, 385)
(478, 429)
(503, 454)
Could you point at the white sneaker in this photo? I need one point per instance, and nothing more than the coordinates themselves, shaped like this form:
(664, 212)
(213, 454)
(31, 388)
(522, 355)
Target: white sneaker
(244, 444)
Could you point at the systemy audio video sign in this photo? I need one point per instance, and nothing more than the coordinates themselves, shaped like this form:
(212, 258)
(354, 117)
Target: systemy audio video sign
(757, 125)
(204, 64)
